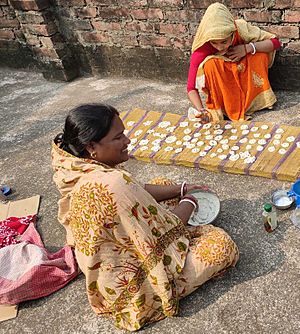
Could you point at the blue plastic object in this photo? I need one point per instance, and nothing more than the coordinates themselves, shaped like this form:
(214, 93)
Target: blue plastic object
(295, 192)
(6, 190)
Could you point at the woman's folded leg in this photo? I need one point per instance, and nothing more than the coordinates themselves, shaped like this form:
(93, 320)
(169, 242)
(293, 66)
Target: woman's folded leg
(211, 252)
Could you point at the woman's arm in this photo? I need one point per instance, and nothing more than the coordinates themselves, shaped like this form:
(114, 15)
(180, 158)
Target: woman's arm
(237, 52)
(184, 211)
(197, 58)
(261, 46)
(194, 97)
(186, 207)
(163, 192)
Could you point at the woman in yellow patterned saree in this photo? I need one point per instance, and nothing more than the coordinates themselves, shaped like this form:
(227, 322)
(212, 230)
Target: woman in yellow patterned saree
(138, 257)
(229, 62)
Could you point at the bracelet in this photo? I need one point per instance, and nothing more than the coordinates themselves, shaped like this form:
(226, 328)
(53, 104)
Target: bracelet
(253, 47)
(183, 189)
(191, 198)
(189, 201)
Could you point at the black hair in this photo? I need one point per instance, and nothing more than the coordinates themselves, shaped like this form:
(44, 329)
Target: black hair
(84, 124)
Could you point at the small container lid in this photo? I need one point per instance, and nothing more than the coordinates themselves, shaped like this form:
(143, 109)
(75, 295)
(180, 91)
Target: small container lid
(6, 190)
(268, 207)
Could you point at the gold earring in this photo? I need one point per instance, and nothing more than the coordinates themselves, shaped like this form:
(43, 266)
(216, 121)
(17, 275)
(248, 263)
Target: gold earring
(93, 155)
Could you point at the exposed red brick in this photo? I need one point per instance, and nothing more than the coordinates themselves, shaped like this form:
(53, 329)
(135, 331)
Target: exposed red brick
(41, 29)
(199, 3)
(169, 3)
(294, 46)
(32, 40)
(114, 13)
(140, 26)
(297, 3)
(106, 26)
(172, 29)
(30, 4)
(146, 40)
(283, 4)
(183, 43)
(51, 42)
(7, 34)
(124, 40)
(4, 23)
(68, 3)
(181, 15)
(95, 37)
(102, 2)
(292, 16)
(46, 52)
(80, 25)
(86, 12)
(283, 31)
(263, 16)
(144, 14)
(31, 17)
(245, 4)
(133, 3)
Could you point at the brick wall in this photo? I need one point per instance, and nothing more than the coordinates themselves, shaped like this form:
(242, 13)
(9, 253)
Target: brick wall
(149, 38)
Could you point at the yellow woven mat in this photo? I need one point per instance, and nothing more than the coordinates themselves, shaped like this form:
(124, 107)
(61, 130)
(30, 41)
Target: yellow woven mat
(252, 148)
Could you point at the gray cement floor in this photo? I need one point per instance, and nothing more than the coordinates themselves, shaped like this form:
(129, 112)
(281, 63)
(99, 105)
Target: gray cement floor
(260, 296)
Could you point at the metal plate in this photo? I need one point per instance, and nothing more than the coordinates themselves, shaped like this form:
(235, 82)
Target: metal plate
(209, 208)
(281, 200)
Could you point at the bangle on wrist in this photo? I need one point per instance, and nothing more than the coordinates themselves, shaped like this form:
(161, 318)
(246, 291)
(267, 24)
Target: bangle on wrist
(191, 198)
(189, 201)
(253, 47)
(183, 189)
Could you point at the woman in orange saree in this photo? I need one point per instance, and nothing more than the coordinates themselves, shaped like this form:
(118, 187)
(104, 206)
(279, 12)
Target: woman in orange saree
(229, 62)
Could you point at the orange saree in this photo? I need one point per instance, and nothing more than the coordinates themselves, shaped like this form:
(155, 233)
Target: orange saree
(238, 88)
(235, 89)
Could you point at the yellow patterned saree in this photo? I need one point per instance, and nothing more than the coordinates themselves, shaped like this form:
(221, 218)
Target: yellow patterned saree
(138, 257)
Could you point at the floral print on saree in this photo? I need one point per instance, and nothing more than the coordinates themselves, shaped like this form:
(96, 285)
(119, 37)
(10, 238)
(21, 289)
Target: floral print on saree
(138, 257)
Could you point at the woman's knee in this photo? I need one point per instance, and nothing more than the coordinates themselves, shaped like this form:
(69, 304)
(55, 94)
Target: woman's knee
(212, 65)
(261, 57)
(215, 247)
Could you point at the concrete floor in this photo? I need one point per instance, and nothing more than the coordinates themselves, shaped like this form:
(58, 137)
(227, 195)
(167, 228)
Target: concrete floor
(260, 296)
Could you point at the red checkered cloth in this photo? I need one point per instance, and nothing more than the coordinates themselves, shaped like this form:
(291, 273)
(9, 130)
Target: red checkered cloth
(29, 271)
(12, 228)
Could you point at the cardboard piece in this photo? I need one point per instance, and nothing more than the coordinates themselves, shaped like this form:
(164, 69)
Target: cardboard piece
(24, 207)
(8, 312)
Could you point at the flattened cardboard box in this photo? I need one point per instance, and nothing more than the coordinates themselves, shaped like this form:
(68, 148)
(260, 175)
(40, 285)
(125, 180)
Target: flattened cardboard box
(24, 207)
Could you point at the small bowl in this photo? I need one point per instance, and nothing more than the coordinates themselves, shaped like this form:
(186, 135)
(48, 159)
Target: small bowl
(281, 200)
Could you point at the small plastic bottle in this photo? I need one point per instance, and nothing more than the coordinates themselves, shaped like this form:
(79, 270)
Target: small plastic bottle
(295, 217)
(269, 218)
